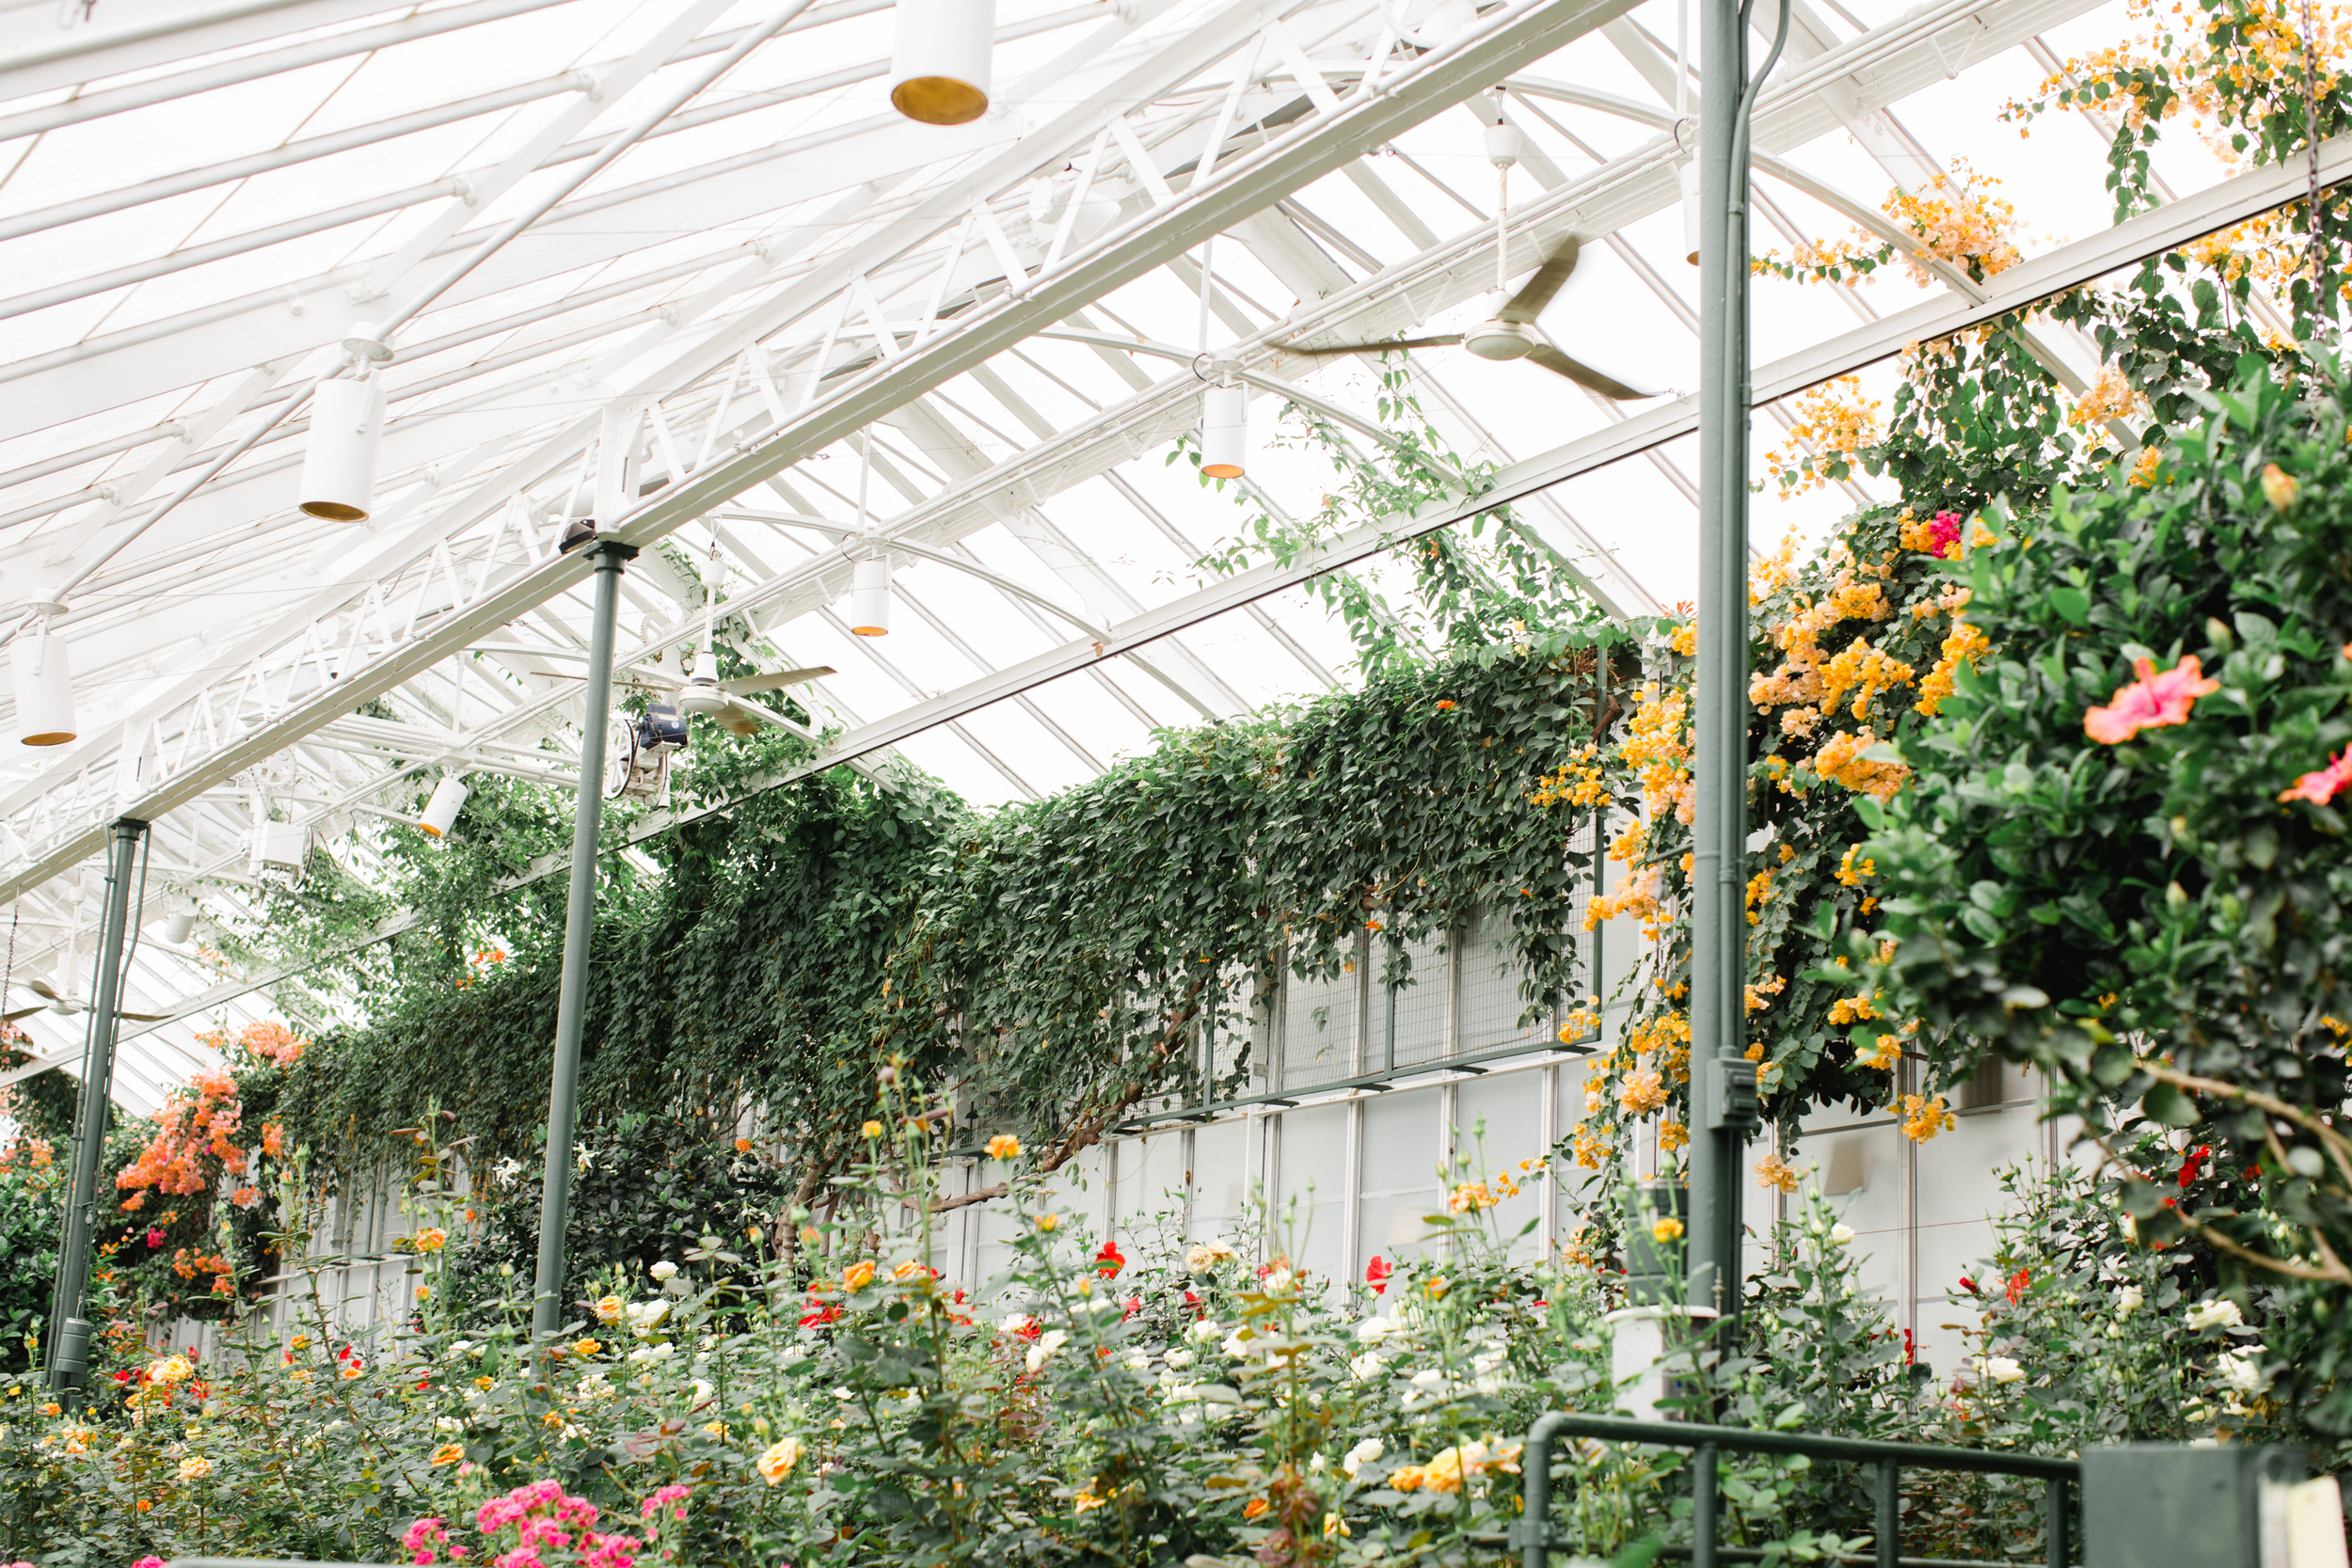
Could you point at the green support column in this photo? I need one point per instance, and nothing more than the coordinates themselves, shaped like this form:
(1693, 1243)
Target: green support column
(579, 919)
(1723, 1083)
(68, 1345)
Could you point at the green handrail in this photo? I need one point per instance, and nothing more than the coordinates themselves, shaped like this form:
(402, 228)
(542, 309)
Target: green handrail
(1533, 1537)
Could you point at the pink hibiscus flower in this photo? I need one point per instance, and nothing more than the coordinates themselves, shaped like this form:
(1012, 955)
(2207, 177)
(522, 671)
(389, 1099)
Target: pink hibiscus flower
(2320, 787)
(2150, 702)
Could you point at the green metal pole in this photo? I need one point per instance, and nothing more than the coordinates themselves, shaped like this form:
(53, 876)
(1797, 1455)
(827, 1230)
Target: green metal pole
(1718, 930)
(69, 1331)
(579, 919)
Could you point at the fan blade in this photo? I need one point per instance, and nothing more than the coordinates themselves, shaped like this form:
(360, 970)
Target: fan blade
(1583, 376)
(1536, 293)
(146, 1018)
(21, 1012)
(743, 685)
(40, 988)
(1447, 341)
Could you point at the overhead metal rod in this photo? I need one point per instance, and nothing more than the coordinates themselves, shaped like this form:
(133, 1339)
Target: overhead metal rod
(163, 187)
(1243, 184)
(365, 41)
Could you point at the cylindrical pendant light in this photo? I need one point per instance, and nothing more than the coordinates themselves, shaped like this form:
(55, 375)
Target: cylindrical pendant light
(179, 925)
(939, 73)
(339, 466)
(44, 688)
(441, 812)
(869, 598)
(1225, 432)
(1690, 211)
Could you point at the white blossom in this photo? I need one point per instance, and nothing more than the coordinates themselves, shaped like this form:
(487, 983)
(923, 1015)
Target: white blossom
(1206, 1330)
(665, 1270)
(1366, 1367)
(2127, 1301)
(1373, 1330)
(1180, 1359)
(1362, 1454)
(2000, 1369)
(2240, 1372)
(1841, 1234)
(2221, 1312)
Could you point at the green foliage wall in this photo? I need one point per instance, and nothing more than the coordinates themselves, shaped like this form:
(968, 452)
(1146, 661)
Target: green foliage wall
(1055, 958)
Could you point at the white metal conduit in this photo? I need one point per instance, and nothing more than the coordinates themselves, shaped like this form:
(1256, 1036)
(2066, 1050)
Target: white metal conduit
(230, 170)
(453, 185)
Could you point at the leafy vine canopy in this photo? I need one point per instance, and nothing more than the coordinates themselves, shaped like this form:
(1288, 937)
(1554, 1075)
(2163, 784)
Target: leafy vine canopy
(1056, 957)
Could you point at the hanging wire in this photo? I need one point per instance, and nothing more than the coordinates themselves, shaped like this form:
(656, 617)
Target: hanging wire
(2311, 137)
(122, 974)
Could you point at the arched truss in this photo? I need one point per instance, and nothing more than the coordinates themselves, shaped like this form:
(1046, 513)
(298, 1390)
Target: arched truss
(767, 272)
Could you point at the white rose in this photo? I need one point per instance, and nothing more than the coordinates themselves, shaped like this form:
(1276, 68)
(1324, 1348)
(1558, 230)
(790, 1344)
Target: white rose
(702, 1390)
(2221, 1312)
(2000, 1369)
(1841, 1234)
(450, 1423)
(1180, 1359)
(1018, 1323)
(1278, 1282)
(1237, 1344)
(1428, 1377)
(1373, 1330)
(2127, 1301)
(2240, 1372)
(459, 1348)
(645, 1316)
(665, 1270)
(1365, 1367)
(1362, 1454)
(1199, 1260)
(1206, 1330)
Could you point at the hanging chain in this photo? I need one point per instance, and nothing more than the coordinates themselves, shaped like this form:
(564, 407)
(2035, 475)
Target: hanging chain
(7, 974)
(2311, 137)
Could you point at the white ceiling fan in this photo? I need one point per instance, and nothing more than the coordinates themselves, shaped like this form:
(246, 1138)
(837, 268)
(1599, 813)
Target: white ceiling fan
(64, 997)
(1510, 331)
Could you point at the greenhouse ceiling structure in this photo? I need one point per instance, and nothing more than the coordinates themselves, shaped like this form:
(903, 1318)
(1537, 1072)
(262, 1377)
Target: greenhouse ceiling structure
(681, 266)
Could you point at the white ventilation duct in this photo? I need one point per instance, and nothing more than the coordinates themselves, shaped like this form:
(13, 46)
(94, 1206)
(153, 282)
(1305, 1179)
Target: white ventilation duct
(1225, 432)
(44, 687)
(441, 812)
(339, 466)
(869, 598)
(939, 73)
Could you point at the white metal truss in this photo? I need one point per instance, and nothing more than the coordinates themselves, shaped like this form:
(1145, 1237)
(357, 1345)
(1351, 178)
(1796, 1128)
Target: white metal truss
(774, 275)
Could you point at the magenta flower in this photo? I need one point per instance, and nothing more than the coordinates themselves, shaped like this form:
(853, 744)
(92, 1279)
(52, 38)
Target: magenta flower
(2320, 787)
(1944, 534)
(2150, 702)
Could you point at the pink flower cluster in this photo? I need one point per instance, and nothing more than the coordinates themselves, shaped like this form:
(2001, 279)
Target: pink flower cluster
(2150, 702)
(424, 1541)
(551, 1528)
(1944, 534)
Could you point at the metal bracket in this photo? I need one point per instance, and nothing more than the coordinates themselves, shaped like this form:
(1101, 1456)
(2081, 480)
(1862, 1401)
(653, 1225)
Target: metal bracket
(1736, 1106)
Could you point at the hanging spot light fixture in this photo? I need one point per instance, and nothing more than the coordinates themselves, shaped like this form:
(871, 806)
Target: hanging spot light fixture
(1690, 211)
(339, 465)
(1225, 431)
(179, 925)
(44, 687)
(869, 598)
(441, 812)
(939, 71)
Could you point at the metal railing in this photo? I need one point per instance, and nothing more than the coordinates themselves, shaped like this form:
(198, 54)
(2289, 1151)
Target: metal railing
(1533, 1537)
